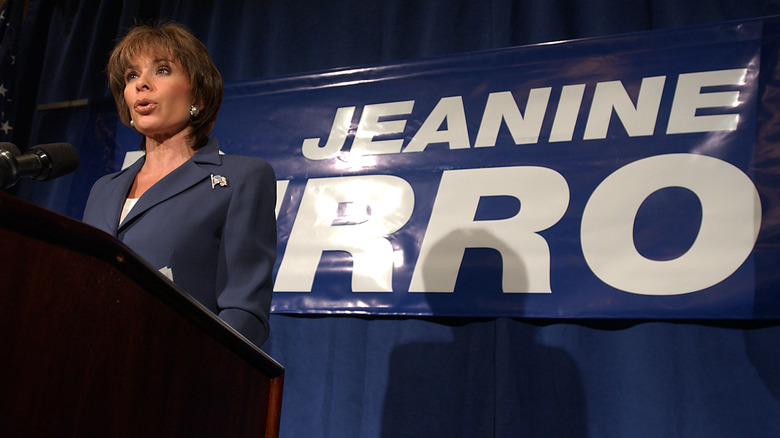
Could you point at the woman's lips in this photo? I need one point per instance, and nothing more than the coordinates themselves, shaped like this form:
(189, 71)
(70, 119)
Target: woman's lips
(144, 106)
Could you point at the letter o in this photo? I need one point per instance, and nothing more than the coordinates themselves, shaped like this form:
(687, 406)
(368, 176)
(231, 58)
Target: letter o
(731, 218)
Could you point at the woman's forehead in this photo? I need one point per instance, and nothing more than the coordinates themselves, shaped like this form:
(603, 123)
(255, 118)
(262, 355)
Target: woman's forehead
(150, 55)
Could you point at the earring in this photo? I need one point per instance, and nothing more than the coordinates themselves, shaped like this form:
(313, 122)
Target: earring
(194, 112)
(132, 123)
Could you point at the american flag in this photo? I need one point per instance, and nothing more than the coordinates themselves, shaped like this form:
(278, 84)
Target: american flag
(10, 23)
(218, 180)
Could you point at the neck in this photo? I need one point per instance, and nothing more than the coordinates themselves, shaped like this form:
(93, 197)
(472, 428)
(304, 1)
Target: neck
(161, 159)
(168, 154)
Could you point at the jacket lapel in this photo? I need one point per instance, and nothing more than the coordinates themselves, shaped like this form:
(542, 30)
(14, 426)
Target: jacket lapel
(116, 199)
(182, 178)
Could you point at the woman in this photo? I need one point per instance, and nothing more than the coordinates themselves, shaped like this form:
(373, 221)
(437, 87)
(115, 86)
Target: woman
(204, 219)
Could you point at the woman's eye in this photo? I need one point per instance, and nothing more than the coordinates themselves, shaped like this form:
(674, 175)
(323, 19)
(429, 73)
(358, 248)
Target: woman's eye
(163, 70)
(130, 76)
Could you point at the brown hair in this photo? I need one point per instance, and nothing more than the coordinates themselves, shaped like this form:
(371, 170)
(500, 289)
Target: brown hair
(180, 45)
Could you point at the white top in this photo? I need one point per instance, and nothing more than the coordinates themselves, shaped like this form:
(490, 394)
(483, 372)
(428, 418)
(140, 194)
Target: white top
(129, 203)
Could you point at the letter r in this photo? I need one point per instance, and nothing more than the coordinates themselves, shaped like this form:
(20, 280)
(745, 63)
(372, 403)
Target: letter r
(452, 228)
(353, 214)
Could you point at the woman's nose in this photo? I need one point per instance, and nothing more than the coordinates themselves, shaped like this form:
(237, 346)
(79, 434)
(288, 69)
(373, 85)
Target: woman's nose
(143, 83)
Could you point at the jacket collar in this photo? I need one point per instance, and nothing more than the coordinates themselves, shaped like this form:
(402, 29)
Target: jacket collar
(190, 173)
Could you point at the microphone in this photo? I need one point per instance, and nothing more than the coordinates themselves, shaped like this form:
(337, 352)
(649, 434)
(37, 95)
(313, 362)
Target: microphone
(10, 148)
(8, 152)
(42, 162)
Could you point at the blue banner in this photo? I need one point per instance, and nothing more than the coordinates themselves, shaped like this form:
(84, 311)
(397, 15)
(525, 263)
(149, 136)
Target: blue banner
(623, 177)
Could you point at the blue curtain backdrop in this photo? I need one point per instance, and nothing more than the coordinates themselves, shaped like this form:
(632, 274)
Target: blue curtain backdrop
(410, 377)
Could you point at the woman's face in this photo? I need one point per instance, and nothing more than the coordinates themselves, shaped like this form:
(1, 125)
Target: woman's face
(158, 94)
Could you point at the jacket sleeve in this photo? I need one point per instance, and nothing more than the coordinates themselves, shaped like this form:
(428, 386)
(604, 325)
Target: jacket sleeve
(95, 213)
(248, 252)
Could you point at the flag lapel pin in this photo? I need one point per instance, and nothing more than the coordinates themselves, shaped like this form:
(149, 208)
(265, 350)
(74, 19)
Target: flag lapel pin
(218, 180)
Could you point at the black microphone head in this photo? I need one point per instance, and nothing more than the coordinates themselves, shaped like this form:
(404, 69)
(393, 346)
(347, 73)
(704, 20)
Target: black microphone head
(10, 148)
(62, 159)
(9, 171)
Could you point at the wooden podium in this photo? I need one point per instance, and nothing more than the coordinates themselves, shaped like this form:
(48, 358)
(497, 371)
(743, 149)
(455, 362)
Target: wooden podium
(94, 342)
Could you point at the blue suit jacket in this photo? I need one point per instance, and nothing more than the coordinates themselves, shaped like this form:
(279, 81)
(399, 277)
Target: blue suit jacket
(219, 242)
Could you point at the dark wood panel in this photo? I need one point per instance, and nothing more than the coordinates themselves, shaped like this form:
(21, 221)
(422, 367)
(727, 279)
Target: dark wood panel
(93, 343)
